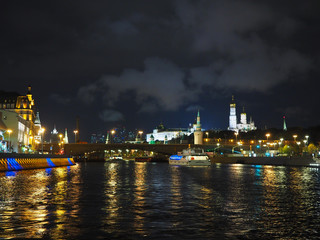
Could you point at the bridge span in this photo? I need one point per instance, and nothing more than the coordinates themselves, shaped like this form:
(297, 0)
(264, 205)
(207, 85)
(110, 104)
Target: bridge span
(80, 149)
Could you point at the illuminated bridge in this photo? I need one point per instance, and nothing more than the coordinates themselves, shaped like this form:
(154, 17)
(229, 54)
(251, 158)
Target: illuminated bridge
(80, 149)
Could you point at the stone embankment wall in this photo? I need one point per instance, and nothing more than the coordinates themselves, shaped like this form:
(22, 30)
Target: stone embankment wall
(283, 161)
(22, 163)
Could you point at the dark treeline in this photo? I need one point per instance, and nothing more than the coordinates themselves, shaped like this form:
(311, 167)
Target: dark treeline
(275, 134)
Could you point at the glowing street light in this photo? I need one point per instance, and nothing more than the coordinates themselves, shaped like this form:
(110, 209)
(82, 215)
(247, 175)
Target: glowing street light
(307, 138)
(268, 135)
(236, 134)
(41, 131)
(60, 136)
(112, 133)
(75, 135)
(139, 136)
(9, 132)
(295, 137)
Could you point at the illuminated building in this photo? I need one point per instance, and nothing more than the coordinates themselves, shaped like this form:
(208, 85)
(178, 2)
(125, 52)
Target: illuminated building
(198, 134)
(37, 127)
(18, 114)
(161, 134)
(233, 116)
(243, 126)
(54, 135)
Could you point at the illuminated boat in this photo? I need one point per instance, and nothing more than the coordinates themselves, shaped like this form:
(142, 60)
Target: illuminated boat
(190, 157)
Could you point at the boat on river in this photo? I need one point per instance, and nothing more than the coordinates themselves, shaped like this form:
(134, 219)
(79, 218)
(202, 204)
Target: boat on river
(191, 157)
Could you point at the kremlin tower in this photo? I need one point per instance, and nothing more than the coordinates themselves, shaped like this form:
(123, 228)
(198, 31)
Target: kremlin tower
(198, 134)
(233, 116)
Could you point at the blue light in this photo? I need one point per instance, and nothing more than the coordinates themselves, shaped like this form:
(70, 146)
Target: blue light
(258, 146)
(70, 161)
(50, 163)
(175, 157)
(10, 173)
(267, 154)
(13, 164)
(48, 171)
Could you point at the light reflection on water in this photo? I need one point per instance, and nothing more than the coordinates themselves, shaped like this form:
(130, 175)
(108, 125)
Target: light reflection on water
(156, 201)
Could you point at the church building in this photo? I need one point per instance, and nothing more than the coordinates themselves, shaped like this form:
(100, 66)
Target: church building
(244, 125)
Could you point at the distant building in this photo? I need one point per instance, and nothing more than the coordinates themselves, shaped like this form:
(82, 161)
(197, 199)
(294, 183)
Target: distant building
(243, 126)
(162, 134)
(54, 135)
(18, 115)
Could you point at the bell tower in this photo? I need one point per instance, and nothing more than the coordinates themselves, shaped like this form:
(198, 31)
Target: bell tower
(232, 116)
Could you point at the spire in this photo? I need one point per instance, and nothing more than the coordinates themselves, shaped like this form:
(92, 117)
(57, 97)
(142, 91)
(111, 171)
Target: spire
(198, 121)
(66, 140)
(29, 90)
(107, 138)
(37, 120)
(284, 124)
(54, 131)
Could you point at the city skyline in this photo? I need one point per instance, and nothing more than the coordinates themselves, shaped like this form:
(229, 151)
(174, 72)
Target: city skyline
(137, 64)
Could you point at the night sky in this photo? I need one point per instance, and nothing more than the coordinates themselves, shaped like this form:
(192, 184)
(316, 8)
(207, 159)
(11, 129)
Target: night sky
(139, 63)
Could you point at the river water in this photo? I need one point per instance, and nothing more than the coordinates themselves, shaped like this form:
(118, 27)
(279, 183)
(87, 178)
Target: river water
(129, 200)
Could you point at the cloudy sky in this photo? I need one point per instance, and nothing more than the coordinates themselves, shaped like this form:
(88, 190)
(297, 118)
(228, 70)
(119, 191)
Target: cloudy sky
(138, 63)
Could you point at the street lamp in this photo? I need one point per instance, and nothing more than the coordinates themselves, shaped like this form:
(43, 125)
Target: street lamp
(60, 136)
(295, 137)
(9, 132)
(307, 138)
(41, 132)
(236, 133)
(140, 132)
(75, 135)
(267, 135)
(112, 132)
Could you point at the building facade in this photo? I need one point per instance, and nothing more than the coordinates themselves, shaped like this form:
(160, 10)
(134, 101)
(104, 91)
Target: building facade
(19, 118)
(161, 134)
(244, 125)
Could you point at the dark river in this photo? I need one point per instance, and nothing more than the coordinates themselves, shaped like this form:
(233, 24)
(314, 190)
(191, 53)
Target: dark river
(129, 200)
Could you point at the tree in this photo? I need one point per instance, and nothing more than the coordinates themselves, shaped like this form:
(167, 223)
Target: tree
(312, 148)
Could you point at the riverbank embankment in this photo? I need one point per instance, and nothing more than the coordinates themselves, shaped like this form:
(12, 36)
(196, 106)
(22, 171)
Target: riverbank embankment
(15, 162)
(280, 161)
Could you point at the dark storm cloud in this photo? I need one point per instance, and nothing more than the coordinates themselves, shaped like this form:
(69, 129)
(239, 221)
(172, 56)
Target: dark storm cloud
(232, 29)
(60, 99)
(160, 80)
(163, 54)
(109, 115)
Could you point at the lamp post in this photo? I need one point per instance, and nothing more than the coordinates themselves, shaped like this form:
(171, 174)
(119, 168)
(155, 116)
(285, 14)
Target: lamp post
(267, 135)
(112, 132)
(307, 138)
(41, 132)
(295, 137)
(140, 133)
(236, 134)
(60, 136)
(9, 132)
(75, 135)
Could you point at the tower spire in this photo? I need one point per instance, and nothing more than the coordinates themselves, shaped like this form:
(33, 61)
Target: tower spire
(66, 140)
(198, 134)
(232, 116)
(284, 124)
